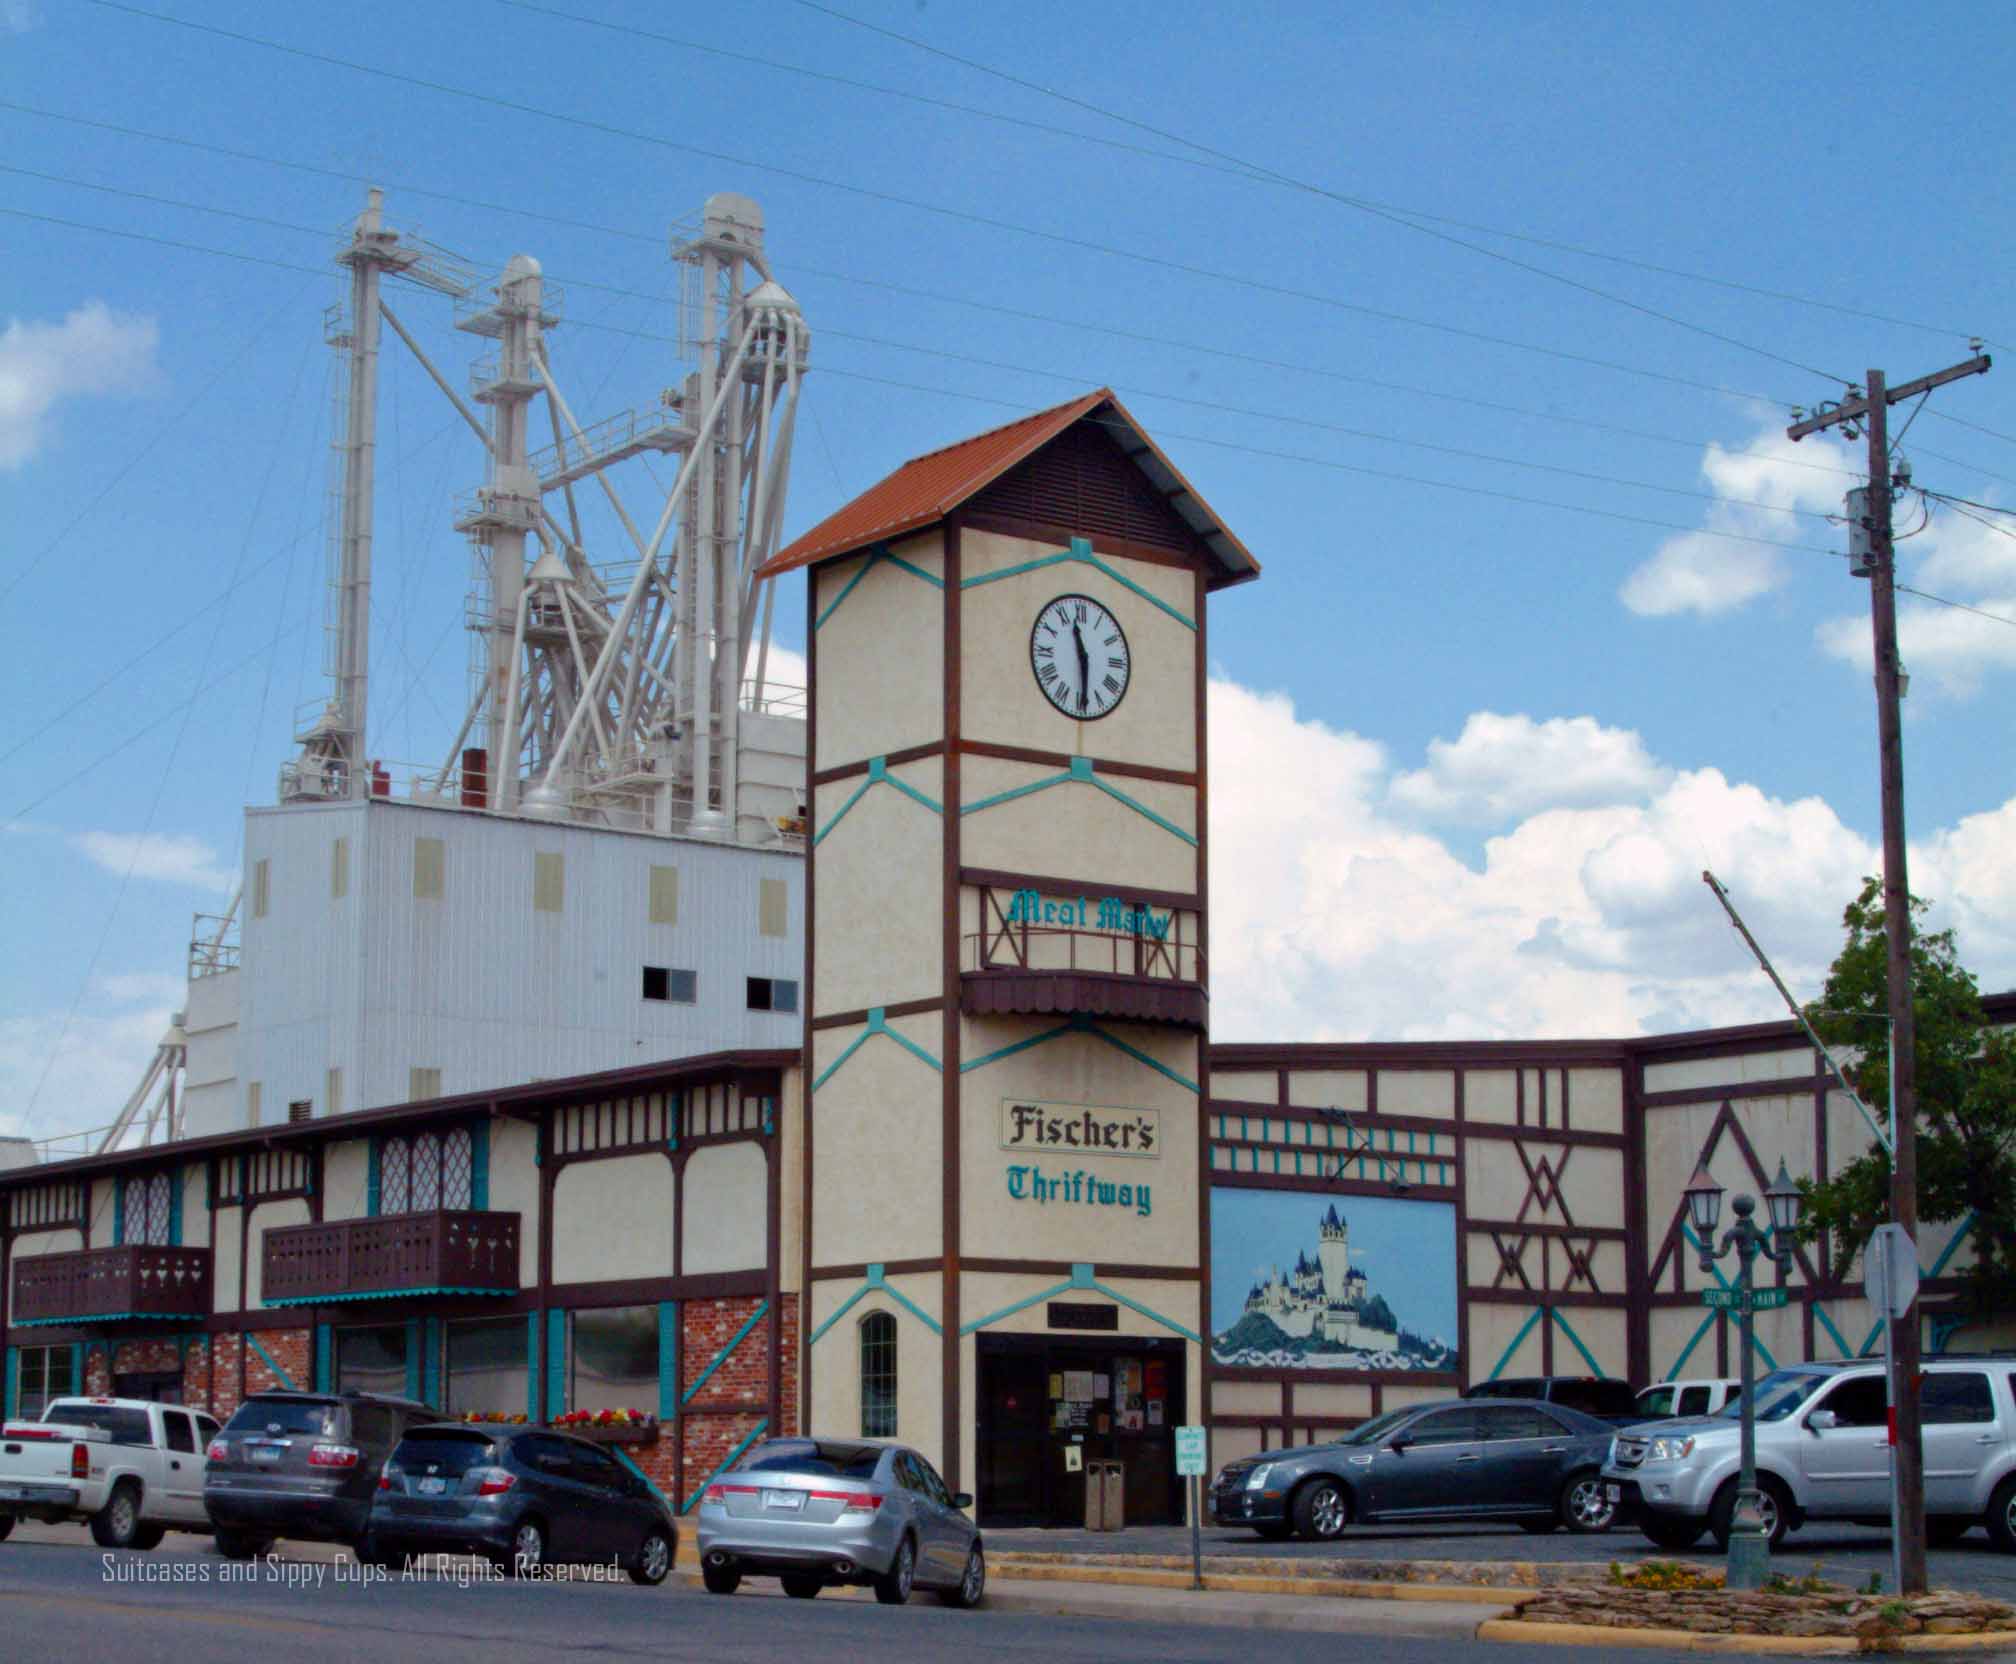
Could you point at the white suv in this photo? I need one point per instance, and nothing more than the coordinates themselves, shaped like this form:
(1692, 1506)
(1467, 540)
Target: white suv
(1823, 1453)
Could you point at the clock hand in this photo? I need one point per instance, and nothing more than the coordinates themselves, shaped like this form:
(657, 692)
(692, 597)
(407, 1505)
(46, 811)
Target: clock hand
(1084, 668)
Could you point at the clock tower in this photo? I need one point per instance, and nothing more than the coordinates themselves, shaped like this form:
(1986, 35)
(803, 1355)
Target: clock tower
(1004, 1195)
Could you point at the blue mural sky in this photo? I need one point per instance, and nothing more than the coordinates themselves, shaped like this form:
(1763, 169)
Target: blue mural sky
(1407, 1250)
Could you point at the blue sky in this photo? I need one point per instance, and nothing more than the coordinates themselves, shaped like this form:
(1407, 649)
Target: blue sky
(1407, 1251)
(1500, 694)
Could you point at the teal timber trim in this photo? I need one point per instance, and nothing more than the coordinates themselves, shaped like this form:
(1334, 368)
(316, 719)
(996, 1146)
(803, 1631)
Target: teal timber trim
(279, 1374)
(413, 1356)
(877, 1283)
(10, 1384)
(1082, 1277)
(1560, 1322)
(876, 558)
(479, 1166)
(1525, 1329)
(119, 1211)
(878, 775)
(878, 1023)
(722, 1356)
(617, 1451)
(1081, 554)
(325, 1358)
(77, 1385)
(1700, 1333)
(1082, 770)
(532, 1366)
(556, 1364)
(371, 1180)
(175, 1184)
(96, 1317)
(430, 1361)
(727, 1462)
(668, 1360)
(1820, 1316)
(1080, 1024)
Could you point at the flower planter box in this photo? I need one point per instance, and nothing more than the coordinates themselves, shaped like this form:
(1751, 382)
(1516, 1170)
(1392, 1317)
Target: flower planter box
(636, 1432)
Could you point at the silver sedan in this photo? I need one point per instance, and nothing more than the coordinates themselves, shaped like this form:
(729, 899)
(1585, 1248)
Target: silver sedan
(813, 1512)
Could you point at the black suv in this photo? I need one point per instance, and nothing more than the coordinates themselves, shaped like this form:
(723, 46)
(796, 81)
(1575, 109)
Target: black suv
(522, 1497)
(302, 1465)
(1594, 1395)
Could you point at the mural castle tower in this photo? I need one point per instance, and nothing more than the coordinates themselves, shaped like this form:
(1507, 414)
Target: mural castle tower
(1006, 910)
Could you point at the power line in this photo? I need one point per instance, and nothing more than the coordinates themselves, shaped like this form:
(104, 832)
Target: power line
(1962, 606)
(961, 215)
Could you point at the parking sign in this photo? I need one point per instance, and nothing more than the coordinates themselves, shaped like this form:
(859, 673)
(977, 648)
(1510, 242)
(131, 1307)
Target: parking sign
(1190, 1457)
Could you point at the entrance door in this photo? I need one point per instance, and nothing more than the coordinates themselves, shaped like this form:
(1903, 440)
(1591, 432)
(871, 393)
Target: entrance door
(1014, 1442)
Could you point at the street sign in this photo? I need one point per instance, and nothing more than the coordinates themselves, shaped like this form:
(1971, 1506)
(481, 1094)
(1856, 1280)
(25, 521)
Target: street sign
(1731, 1299)
(1190, 1457)
(1890, 1270)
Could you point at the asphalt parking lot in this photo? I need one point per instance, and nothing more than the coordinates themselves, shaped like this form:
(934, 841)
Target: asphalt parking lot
(1846, 1553)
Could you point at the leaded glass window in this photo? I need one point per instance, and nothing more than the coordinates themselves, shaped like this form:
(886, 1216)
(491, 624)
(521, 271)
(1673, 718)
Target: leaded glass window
(878, 1376)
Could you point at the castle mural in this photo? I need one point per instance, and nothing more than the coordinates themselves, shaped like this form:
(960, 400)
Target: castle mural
(1322, 1308)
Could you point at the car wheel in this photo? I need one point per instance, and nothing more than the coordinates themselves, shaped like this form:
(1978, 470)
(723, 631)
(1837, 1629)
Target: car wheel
(1322, 1509)
(720, 1580)
(1586, 1507)
(240, 1545)
(892, 1588)
(654, 1559)
(527, 1554)
(972, 1583)
(1772, 1504)
(118, 1522)
(1671, 1533)
(2002, 1517)
(6, 1526)
(802, 1585)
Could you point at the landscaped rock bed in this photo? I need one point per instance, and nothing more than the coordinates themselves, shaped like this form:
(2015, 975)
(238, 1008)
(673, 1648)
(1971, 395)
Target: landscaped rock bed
(1817, 1609)
(1481, 1574)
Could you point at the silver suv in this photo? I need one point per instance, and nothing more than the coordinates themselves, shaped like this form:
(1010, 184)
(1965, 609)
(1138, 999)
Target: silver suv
(1823, 1453)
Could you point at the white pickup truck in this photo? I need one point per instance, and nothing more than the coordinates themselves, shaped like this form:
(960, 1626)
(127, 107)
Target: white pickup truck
(130, 1469)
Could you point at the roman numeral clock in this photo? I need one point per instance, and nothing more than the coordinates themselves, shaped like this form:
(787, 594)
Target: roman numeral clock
(1007, 986)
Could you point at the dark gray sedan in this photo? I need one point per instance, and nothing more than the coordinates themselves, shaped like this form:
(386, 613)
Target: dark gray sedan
(1537, 1465)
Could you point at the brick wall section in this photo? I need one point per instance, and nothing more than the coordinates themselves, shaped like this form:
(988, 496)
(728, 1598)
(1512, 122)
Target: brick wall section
(224, 1400)
(709, 1438)
(97, 1376)
(151, 1357)
(736, 1396)
(292, 1349)
(196, 1376)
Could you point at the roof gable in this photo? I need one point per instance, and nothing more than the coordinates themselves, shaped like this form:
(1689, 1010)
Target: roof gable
(1086, 464)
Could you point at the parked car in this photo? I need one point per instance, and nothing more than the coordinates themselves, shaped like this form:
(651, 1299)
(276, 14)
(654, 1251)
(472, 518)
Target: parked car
(813, 1512)
(523, 1497)
(1687, 1398)
(1594, 1395)
(1823, 1453)
(1533, 1463)
(131, 1469)
(304, 1465)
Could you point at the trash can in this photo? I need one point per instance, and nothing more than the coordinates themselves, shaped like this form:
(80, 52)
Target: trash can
(1105, 1495)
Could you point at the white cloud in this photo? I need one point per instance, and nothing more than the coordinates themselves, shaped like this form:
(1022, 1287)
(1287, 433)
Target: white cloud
(93, 350)
(173, 858)
(100, 1060)
(1502, 767)
(1333, 919)
(1705, 574)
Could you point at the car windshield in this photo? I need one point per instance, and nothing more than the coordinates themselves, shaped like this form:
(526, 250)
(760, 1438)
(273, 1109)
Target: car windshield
(1377, 1428)
(125, 1426)
(444, 1452)
(830, 1459)
(1779, 1394)
(1656, 1401)
(284, 1415)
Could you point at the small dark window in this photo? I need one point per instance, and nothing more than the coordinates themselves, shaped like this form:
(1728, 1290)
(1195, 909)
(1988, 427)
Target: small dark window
(178, 1431)
(301, 1109)
(1693, 1402)
(677, 987)
(878, 1376)
(1445, 1427)
(767, 993)
(1957, 1397)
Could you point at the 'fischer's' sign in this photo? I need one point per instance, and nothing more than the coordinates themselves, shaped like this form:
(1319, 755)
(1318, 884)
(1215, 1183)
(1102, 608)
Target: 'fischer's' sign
(1079, 1130)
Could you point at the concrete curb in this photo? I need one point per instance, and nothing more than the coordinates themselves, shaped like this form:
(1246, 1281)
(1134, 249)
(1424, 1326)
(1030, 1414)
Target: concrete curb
(1330, 1588)
(1688, 1640)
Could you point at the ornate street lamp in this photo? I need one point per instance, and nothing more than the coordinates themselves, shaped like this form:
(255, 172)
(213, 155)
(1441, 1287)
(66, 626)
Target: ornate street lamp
(1749, 1536)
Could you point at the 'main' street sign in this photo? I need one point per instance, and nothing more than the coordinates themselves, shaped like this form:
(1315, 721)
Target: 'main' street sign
(1731, 1300)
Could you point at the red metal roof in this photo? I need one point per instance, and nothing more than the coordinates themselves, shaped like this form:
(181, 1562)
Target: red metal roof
(928, 488)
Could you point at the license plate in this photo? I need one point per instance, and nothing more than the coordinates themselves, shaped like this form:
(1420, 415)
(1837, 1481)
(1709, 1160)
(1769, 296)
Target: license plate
(433, 1487)
(1614, 1492)
(262, 1453)
(784, 1499)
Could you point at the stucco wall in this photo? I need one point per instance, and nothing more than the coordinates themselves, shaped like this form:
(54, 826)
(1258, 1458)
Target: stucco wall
(877, 909)
(724, 1209)
(881, 654)
(613, 1219)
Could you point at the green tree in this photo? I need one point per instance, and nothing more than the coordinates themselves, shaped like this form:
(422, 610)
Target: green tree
(1966, 1099)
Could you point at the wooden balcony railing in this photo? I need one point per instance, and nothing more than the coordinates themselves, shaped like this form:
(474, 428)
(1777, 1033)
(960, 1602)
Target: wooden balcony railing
(98, 1285)
(449, 1251)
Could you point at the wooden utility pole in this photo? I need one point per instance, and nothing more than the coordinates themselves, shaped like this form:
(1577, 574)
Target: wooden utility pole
(1872, 410)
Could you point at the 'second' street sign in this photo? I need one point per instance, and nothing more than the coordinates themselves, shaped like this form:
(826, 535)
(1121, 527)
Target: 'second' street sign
(1890, 1270)
(1190, 1458)
(1731, 1299)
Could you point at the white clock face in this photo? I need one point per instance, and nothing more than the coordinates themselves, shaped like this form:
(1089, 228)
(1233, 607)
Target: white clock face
(1079, 654)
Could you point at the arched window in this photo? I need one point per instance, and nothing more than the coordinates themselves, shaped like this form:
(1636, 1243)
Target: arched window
(878, 1376)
